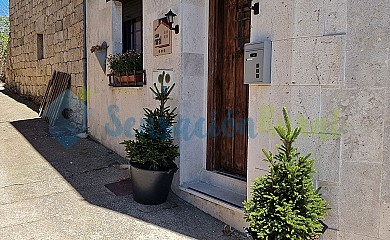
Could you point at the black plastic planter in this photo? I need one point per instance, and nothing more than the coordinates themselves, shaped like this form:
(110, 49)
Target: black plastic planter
(151, 187)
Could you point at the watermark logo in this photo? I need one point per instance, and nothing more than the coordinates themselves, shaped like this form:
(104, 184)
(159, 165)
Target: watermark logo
(60, 113)
(325, 128)
(66, 132)
(228, 126)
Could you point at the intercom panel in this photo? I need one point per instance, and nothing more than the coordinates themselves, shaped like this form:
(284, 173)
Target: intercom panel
(257, 65)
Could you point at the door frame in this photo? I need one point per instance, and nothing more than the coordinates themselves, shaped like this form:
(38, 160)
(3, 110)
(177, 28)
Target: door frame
(214, 78)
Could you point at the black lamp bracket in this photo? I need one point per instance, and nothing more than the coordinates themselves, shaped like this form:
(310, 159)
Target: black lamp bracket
(176, 29)
(255, 7)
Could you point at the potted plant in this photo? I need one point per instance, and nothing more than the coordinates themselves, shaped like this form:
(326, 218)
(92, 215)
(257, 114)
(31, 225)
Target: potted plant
(284, 203)
(127, 67)
(101, 54)
(152, 152)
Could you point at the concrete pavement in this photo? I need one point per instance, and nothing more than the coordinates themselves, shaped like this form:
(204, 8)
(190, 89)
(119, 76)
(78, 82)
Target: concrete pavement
(49, 190)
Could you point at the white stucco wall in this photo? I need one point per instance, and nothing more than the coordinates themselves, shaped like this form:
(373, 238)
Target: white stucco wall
(114, 109)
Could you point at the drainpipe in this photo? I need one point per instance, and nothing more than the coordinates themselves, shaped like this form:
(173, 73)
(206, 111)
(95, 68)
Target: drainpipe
(85, 118)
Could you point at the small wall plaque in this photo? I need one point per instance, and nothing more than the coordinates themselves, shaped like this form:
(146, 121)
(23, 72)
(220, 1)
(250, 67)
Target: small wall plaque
(162, 43)
(164, 76)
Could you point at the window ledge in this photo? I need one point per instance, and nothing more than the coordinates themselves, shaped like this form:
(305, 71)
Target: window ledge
(139, 81)
(129, 85)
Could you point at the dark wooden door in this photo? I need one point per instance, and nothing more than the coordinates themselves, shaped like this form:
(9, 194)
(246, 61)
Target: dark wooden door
(229, 30)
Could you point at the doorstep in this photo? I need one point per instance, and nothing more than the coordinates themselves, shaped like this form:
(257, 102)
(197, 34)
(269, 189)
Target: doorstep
(219, 202)
(217, 194)
(226, 196)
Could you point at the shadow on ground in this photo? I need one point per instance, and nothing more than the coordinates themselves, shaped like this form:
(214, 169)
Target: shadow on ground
(88, 166)
(21, 99)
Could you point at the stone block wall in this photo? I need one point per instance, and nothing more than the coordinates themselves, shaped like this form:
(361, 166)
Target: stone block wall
(330, 68)
(61, 24)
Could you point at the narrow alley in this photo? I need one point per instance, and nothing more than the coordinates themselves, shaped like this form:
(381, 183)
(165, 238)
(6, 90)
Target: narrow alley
(52, 190)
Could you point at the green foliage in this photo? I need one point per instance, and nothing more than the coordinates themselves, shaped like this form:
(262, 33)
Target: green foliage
(124, 64)
(284, 203)
(153, 146)
(4, 36)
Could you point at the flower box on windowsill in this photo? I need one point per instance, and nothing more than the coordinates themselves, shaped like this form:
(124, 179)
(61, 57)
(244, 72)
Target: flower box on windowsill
(136, 79)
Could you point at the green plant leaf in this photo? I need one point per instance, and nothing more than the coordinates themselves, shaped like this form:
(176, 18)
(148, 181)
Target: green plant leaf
(153, 147)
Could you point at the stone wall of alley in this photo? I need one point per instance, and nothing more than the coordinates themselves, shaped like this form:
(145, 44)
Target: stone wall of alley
(46, 36)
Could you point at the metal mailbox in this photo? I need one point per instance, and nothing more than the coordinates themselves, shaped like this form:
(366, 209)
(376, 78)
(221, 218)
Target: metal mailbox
(257, 65)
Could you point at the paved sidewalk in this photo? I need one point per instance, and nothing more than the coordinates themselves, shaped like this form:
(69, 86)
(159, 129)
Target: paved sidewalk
(48, 191)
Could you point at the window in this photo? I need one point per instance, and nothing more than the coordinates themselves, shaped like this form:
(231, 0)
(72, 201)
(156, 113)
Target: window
(132, 40)
(132, 34)
(40, 46)
(132, 25)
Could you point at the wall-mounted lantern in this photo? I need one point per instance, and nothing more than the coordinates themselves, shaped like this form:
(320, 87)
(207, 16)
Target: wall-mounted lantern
(170, 18)
(255, 7)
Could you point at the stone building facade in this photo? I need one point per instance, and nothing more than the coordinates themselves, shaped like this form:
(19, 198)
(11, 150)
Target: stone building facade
(329, 67)
(46, 36)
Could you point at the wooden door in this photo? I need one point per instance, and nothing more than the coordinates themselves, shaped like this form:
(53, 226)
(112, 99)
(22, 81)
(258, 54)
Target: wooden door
(229, 30)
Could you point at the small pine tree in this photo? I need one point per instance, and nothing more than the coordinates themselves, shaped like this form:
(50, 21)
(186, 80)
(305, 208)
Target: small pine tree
(153, 146)
(284, 203)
